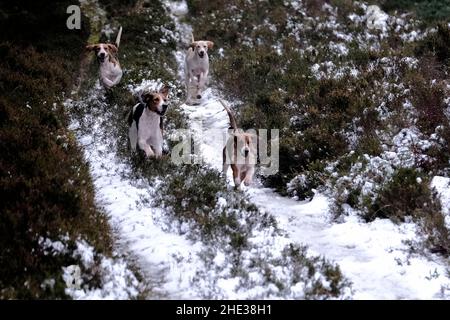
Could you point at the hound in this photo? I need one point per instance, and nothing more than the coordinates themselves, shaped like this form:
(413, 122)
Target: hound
(145, 122)
(240, 152)
(197, 67)
(106, 53)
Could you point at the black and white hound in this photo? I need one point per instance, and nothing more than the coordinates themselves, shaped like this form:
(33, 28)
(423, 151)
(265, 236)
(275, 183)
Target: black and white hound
(145, 122)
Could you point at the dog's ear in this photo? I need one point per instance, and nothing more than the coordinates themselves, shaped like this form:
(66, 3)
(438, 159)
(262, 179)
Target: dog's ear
(165, 91)
(91, 47)
(192, 45)
(251, 138)
(147, 97)
(234, 134)
(210, 44)
(113, 48)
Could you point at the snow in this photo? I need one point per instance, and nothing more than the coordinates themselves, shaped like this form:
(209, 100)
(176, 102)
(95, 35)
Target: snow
(178, 8)
(52, 247)
(162, 256)
(171, 264)
(374, 256)
(376, 18)
(328, 70)
(85, 252)
(72, 276)
(117, 280)
(339, 48)
(442, 187)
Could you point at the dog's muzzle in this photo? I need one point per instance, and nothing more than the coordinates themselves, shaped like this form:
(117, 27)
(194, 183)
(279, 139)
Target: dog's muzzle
(164, 110)
(201, 54)
(101, 57)
(245, 152)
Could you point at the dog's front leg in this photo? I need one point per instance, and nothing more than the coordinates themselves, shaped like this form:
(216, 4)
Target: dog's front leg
(204, 79)
(107, 83)
(201, 80)
(225, 169)
(236, 176)
(158, 151)
(147, 149)
(132, 134)
(187, 78)
(116, 80)
(193, 88)
(225, 165)
(249, 176)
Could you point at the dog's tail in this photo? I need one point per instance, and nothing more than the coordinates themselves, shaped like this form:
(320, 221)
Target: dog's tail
(230, 114)
(192, 38)
(119, 35)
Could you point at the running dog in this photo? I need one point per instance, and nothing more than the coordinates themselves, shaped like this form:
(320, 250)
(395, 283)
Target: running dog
(106, 53)
(197, 67)
(145, 122)
(240, 152)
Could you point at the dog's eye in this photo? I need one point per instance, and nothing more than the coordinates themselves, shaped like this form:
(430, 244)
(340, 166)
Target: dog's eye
(156, 99)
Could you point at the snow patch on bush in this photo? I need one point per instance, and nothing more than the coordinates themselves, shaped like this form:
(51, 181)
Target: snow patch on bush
(95, 276)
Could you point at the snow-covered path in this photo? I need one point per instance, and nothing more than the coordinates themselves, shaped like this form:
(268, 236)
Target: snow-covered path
(373, 255)
(168, 261)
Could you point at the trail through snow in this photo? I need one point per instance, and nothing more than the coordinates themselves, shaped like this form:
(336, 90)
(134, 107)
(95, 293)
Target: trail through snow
(373, 255)
(166, 260)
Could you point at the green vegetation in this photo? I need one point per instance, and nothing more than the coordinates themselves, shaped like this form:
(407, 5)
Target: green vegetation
(44, 182)
(194, 197)
(408, 194)
(337, 108)
(428, 10)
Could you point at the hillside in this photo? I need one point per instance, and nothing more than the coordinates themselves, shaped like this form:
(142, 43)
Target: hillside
(359, 208)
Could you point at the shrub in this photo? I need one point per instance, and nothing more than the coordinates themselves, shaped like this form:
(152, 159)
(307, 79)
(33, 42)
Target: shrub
(406, 194)
(369, 144)
(198, 196)
(197, 199)
(301, 268)
(302, 185)
(44, 181)
(434, 10)
(436, 44)
(428, 99)
(429, 10)
(433, 227)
